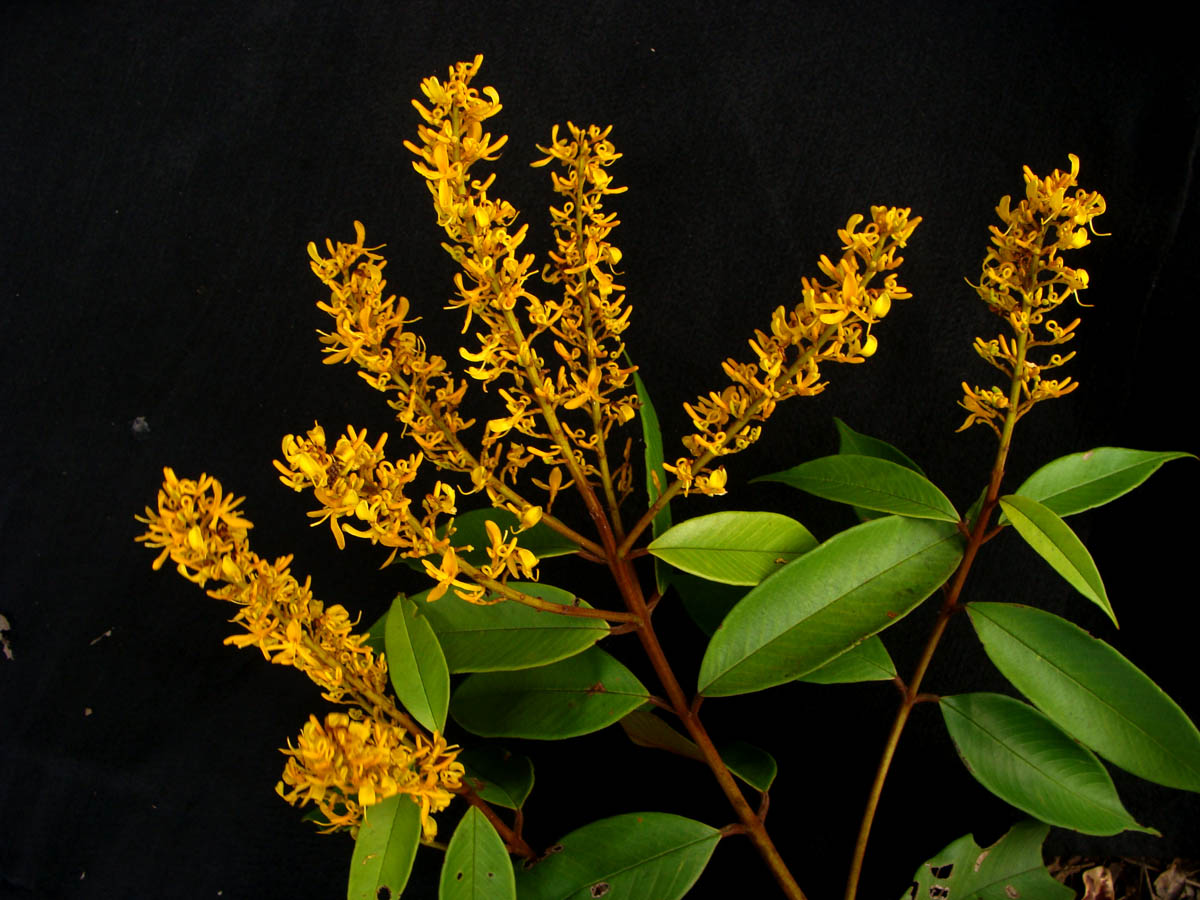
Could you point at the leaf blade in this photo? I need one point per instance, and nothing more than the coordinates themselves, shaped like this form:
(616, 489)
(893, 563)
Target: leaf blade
(1054, 541)
(506, 636)
(575, 696)
(477, 866)
(1092, 692)
(733, 547)
(823, 603)
(869, 482)
(628, 857)
(416, 664)
(1023, 758)
(1080, 481)
(385, 848)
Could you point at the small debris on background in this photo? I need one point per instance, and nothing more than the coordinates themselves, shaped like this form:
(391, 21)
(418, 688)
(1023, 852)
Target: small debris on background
(1098, 884)
(1125, 878)
(5, 646)
(140, 428)
(94, 641)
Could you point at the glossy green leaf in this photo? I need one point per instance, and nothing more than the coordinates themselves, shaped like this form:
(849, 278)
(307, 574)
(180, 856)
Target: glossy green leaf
(499, 776)
(416, 665)
(869, 661)
(1092, 692)
(1058, 545)
(639, 856)
(733, 547)
(505, 636)
(829, 600)
(707, 602)
(1023, 758)
(575, 696)
(477, 866)
(754, 766)
(1071, 484)
(541, 540)
(1011, 868)
(871, 483)
(854, 442)
(385, 848)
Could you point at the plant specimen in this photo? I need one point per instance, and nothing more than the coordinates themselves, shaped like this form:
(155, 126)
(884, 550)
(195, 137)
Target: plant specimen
(475, 505)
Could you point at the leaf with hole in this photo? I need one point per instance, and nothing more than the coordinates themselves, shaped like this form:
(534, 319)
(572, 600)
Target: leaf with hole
(1057, 544)
(384, 849)
(1092, 692)
(507, 635)
(476, 866)
(1009, 869)
(870, 483)
(416, 665)
(1023, 758)
(733, 547)
(575, 696)
(637, 856)
(828, 601)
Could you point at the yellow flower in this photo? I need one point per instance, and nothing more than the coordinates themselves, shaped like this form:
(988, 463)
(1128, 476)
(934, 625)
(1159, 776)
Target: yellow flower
(1024, 280)
(344, 764)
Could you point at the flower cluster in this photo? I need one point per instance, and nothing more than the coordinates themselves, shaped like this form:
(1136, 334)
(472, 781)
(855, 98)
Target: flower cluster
(345, 764)
(831, 323)
(360, 757)
(198, 527)
(1024, 279)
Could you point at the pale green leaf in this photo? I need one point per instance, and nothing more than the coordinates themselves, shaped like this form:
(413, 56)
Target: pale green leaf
(733, 547)
(1071, 484)
(385, 848)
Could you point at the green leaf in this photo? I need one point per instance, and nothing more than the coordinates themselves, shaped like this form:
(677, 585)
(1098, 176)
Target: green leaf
(498, 776)
(654, 459)
(826, 602)
(871, 483)
(754, 766)
(853, 442)
(477, 866)
(1010, 868)
(1071, 484)
(1058, 545)
(707, 602)
(385, 848)
(733, 547)
(416, 665)
(1023, 758)
(506, 635)
(541, 540)
(869, 661)
(575, 696)
(1092, 692)
(639, 856)
(376, 635)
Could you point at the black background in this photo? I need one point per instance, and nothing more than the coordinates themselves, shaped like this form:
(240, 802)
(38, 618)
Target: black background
(165, 168)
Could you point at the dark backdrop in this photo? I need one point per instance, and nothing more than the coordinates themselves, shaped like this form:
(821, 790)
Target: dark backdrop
(165, 168)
